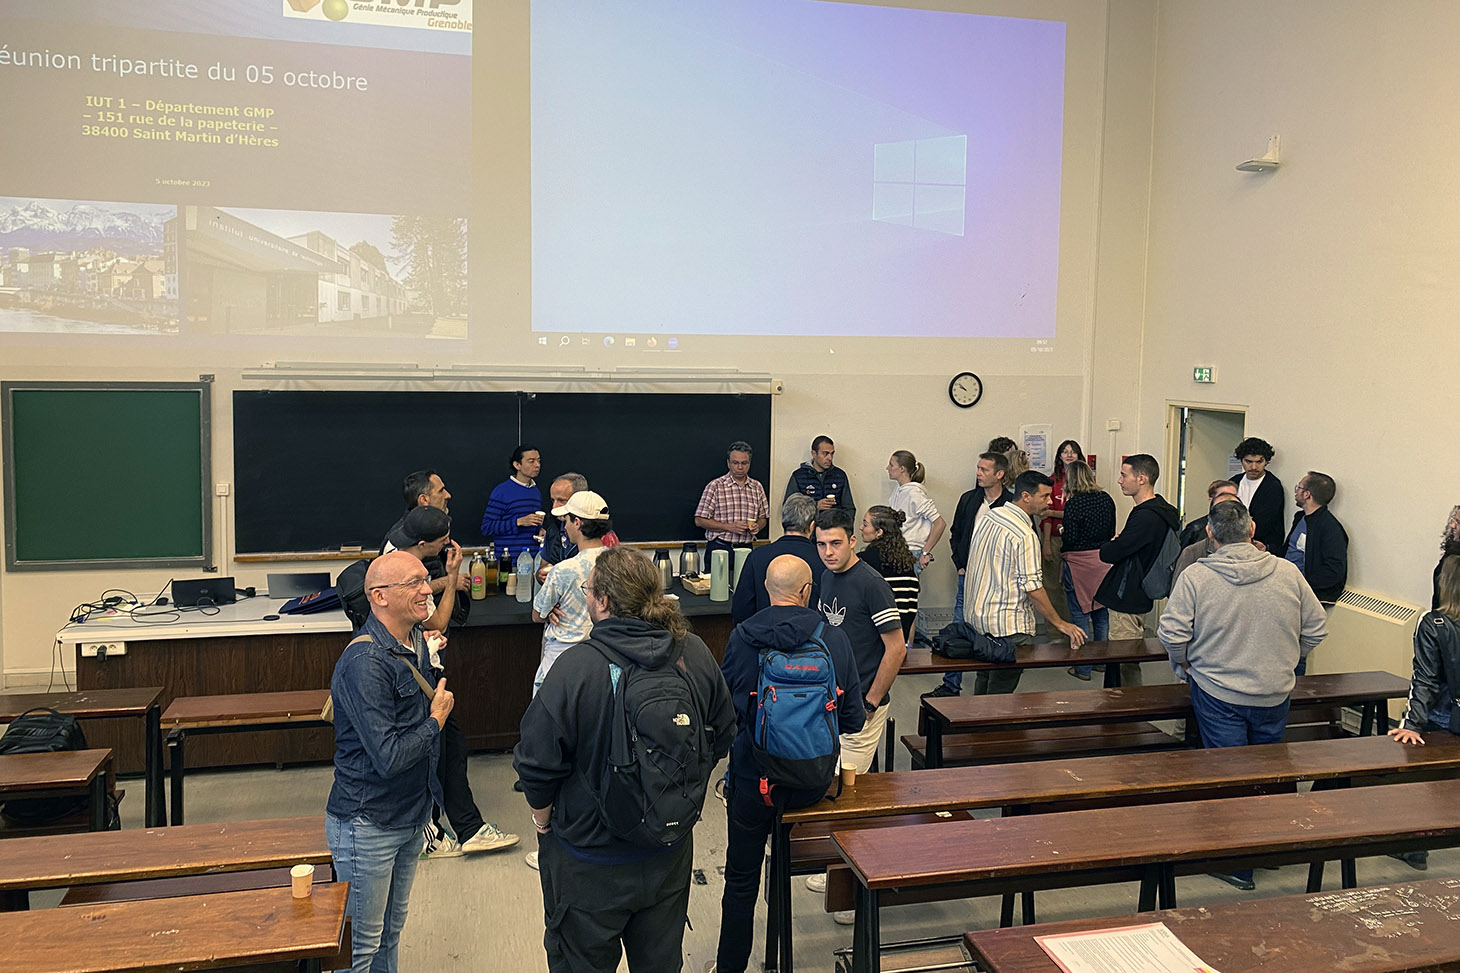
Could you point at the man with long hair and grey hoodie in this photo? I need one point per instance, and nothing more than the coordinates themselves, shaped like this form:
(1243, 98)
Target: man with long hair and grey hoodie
(1236, 624)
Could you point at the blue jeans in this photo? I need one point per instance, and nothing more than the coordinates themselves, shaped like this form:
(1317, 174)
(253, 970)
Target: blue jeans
(920, 630)
(1224, 724)
(954, 680)
(380, 865)
(1095, 624)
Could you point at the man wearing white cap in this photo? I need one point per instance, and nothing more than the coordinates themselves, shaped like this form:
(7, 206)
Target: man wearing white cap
(560, 602)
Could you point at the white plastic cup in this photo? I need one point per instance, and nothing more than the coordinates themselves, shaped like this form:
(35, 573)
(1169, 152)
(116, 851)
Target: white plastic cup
(301, 877)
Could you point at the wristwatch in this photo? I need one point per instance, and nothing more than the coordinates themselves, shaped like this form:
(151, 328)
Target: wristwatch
(870, 706)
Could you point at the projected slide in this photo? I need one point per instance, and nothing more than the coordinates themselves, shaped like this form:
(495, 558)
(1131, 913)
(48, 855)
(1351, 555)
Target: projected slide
(275, 167)
(794, 167)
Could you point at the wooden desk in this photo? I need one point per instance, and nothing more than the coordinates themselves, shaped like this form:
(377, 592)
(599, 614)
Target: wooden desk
(490, 662)
(1118, 780)
(974, 714)
(233, 714)
(198, 932)
(962, 858)
(98, 704)
(68, 773)
(1041, 655)
(1406, 926)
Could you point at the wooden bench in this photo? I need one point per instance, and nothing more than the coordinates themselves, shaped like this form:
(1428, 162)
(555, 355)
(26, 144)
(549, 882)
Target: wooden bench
(1071, 848)
(1042, 655)
(264, 927)
(67, 773)
(102, 857)
(1110, 781)
(1089, 707)
(170, 888)
(142, 703)
(239, 713)
(1045, 743)
(1404, 926)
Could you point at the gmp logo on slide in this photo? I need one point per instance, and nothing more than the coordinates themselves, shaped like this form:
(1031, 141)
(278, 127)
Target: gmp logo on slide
(426, 14)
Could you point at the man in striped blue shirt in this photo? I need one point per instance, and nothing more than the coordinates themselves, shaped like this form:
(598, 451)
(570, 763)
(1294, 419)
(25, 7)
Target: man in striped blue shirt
(1004, 583)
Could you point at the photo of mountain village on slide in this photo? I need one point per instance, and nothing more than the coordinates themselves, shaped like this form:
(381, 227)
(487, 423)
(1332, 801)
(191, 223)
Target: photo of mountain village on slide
(83, 267)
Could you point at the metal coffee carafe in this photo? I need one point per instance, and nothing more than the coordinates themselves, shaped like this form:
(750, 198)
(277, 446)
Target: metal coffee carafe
(666, 570)
(689, 560)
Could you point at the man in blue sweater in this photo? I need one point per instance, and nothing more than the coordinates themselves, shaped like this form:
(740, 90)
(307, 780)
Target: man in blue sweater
(515, 513)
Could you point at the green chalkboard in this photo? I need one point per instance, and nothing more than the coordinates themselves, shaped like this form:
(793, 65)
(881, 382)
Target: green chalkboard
(107, 474)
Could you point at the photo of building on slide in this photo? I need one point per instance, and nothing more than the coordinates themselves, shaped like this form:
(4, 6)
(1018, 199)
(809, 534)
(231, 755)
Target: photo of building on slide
(82, 267)
(246, 271)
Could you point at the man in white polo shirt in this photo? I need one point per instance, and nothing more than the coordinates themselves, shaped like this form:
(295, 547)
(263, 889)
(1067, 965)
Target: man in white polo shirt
(1005, 578)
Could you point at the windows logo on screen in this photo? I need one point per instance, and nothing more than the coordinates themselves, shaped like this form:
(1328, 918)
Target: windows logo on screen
(921, 183)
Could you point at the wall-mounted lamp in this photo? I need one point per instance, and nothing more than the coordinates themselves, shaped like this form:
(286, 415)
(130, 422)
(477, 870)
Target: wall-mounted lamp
(1263, 163)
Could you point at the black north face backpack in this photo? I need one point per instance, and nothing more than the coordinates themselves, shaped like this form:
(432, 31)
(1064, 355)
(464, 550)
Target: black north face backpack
(652, 789)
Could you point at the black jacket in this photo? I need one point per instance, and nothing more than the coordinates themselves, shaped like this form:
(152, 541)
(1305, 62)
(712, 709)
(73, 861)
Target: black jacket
(1436, 682)
(1325, 556)
(750, 594)
(1133, 552)
(784, 627)
(961, 533)
(1266, 508)
(565, 739)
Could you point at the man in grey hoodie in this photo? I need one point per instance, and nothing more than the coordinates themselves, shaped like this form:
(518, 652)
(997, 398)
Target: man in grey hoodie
(1236, 624)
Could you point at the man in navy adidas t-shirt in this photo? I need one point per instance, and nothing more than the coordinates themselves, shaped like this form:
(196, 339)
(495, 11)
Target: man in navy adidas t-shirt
(856, 599)
(787, 624)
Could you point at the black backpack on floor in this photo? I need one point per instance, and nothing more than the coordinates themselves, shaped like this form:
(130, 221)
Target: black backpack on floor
(42, 730)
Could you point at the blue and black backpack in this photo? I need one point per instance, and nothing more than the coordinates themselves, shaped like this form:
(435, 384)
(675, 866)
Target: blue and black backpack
(794, 739)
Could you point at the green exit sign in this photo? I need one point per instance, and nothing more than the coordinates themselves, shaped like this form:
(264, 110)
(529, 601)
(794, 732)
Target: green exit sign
(1206, 374)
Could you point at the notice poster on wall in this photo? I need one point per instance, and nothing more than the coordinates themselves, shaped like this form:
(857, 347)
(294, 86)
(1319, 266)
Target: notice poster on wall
(1035, 441)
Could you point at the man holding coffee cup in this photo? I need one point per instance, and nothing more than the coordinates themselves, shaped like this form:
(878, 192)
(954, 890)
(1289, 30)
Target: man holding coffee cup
(787, 625)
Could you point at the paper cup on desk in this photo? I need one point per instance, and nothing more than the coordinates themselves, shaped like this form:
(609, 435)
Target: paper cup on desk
(301, 877)
(849, 775)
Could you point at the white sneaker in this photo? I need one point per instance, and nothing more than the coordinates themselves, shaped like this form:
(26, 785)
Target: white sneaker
(817, 883)
(439, 844)
(847, 918)
(489, 838)
(531, 859)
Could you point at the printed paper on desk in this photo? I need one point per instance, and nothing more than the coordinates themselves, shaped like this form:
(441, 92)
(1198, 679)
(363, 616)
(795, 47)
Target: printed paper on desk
(1148, 948)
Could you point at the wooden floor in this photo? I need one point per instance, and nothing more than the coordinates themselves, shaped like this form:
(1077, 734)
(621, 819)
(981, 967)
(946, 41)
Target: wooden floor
(485, 911)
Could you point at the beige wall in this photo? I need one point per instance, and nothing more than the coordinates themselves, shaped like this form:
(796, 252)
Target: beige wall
(1326, 292)
(887, 395)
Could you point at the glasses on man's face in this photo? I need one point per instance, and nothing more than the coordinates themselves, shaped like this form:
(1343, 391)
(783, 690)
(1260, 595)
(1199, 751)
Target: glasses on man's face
(413, 583)
(586, 588)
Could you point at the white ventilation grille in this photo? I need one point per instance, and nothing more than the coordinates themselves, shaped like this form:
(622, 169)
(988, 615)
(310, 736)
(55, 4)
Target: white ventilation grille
(1379, 607)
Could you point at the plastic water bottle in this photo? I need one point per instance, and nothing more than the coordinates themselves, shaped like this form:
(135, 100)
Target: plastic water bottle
(524, 577)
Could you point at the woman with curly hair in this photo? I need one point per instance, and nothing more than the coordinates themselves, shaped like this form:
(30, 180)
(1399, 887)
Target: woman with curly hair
(885, 549)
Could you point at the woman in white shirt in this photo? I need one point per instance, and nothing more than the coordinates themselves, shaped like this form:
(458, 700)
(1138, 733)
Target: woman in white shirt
(924, 525)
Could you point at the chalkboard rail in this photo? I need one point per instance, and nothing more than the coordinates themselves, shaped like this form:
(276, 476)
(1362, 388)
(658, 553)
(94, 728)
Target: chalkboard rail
(356, 555)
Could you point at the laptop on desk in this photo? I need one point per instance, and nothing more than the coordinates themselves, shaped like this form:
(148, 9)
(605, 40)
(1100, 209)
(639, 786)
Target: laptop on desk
(297, 583)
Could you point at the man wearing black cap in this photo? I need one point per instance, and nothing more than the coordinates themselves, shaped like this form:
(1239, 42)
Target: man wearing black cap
(425, 533)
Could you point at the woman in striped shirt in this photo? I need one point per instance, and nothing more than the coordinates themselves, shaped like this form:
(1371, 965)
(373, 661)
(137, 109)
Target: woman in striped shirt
(885, 549)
